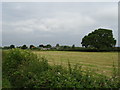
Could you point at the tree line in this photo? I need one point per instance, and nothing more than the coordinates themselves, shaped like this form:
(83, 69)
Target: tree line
(98, 40)
(41, 46)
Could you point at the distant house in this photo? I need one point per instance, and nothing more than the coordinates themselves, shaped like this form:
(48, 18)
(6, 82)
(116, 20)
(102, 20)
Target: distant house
(33, 47)
(55, 48)
(44, 48)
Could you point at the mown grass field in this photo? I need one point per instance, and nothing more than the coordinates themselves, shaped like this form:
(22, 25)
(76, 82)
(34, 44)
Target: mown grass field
(101, 62)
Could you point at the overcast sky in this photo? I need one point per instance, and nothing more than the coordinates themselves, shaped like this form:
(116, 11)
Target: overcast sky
(52, 23)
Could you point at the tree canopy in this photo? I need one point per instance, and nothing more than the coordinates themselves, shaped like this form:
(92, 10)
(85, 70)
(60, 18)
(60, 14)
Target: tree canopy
(12, 46)
(41, 45)
(48, 46)
(32, 46)
(99, 39)
(57, 45)
(24, 47)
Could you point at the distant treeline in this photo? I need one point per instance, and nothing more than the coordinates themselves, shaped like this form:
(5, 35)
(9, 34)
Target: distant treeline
(97, 41)
(82, 49)
(58, 47)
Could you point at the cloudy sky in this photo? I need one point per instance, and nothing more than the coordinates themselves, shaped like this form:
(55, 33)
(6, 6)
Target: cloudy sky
(52, 23)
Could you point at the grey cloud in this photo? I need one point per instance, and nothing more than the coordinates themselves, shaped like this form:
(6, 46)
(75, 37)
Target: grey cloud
(64, 23)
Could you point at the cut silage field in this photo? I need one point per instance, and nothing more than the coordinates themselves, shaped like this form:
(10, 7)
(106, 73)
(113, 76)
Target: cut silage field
(101, 62)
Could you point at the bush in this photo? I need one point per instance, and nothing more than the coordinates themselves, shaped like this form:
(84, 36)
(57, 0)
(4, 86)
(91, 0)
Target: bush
(15, 58)
(6, 83)
(20, 65)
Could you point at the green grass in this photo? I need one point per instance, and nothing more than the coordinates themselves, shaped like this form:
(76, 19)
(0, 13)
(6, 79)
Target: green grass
(102, 62)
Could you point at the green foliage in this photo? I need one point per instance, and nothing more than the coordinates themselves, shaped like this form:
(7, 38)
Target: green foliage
(23, 69)
(57, 45)
(48, 46)
(6, 47)
(14, 58)
(45, 46)
(73, 46)
(32, 47)
(41, 45)
(6, 83)
(100, 39)
(24, 47)
(12, 46)
(18, 63)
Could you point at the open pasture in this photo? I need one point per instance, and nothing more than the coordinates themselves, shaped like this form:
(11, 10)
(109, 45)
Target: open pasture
(101, 62)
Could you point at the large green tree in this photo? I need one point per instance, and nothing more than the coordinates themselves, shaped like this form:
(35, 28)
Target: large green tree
(12, 46)
(24, 47)
(32, 46)
(48, 46)
(99, 39)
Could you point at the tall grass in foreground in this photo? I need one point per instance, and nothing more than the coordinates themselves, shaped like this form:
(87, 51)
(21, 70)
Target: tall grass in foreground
(23, 69)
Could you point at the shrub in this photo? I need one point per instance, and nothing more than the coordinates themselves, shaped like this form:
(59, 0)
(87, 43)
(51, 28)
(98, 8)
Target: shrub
(6, 83)
(20, 65)
(15, 58)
